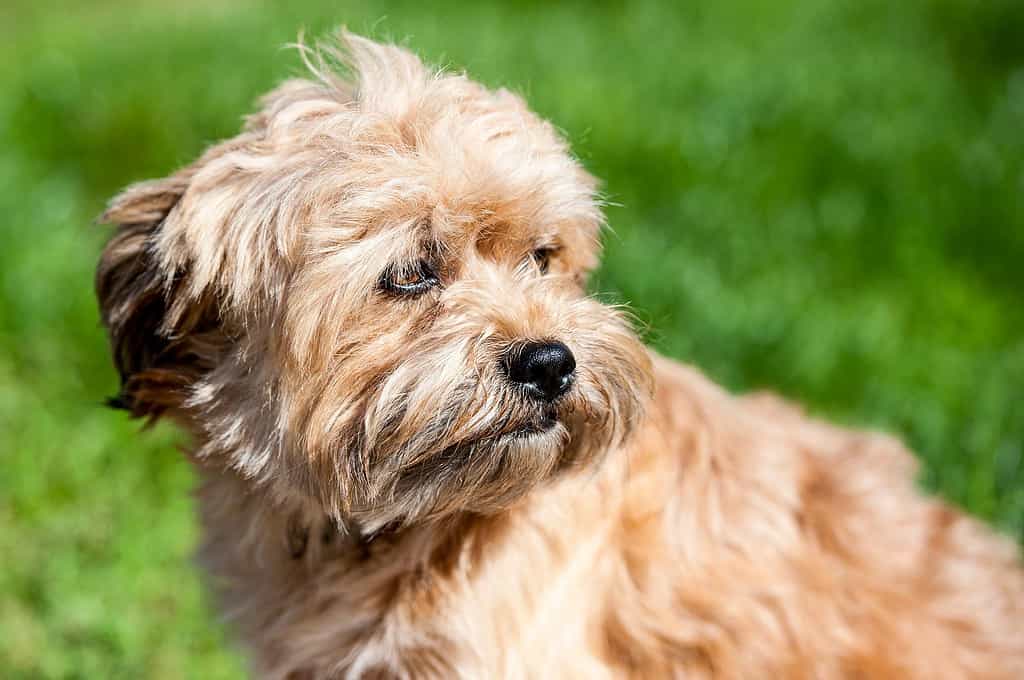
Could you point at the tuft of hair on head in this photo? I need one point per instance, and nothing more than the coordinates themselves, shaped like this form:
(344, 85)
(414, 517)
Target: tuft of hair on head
(379, 76)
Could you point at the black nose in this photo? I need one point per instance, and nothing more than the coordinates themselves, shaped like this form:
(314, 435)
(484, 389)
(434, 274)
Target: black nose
(544, 368)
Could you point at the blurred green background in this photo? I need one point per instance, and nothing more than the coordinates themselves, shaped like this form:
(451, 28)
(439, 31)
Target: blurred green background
(818, 196)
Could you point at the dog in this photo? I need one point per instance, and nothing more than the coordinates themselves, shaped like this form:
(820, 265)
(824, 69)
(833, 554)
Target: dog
(426, 452)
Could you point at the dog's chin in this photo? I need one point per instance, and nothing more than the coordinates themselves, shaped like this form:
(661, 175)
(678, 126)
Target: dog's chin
(502, 449)
(482, 474)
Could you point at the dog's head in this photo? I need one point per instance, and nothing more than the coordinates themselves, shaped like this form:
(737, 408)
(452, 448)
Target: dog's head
(374, 296)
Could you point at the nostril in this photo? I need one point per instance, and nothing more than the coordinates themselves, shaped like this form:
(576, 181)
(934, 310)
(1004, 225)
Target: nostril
(546, 368)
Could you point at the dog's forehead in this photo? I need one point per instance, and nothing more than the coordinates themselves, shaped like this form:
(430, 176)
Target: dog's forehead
(492, 226)
(511, 195)
(505, 190)
(472, 165)
(483, 205)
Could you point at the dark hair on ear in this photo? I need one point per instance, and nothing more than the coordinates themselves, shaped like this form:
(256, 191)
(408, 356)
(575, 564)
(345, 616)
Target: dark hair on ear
(161, 343)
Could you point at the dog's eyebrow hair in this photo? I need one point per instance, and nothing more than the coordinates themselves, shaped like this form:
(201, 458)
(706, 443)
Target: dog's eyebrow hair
(433, 246)
(427, 240)
(549, 242)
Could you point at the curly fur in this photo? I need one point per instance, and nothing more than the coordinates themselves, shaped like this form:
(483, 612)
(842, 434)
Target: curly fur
(374, 500)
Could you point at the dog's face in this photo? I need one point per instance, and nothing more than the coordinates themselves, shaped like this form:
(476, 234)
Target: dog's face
(374, 297)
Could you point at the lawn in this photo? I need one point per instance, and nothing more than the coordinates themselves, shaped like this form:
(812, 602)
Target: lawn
(823, 197)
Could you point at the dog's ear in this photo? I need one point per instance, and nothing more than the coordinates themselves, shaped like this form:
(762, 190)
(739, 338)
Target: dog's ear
(162, 340)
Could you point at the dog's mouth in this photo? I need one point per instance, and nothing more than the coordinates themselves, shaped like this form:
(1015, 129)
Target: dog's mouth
(543, 423)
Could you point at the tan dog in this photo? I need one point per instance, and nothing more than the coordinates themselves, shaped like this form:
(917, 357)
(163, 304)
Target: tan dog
(426, 453)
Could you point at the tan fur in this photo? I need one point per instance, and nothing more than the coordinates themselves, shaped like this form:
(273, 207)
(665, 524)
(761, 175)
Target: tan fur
(370, 506)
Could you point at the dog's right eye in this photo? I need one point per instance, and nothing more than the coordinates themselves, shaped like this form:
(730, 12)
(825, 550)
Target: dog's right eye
(409, 280)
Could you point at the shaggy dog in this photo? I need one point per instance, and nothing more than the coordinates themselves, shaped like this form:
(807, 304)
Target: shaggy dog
(425, 452)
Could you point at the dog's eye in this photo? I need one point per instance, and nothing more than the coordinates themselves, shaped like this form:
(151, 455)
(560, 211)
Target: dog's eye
(409, 280)
(542, 257)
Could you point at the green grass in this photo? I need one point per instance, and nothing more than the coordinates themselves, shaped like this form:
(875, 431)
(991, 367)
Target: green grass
(818, 196)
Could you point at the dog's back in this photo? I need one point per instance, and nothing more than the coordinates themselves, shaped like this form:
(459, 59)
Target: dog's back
(800, 549)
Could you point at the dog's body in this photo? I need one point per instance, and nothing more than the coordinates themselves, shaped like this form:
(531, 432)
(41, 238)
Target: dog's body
(733, 538)
(426, 453)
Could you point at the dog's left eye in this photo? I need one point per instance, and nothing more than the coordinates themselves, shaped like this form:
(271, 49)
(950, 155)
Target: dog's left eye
(542, 257)
(410, 280)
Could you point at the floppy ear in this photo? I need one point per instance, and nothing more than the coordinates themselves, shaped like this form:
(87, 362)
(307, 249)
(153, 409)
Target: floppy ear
(195, 252)
(162, 340)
